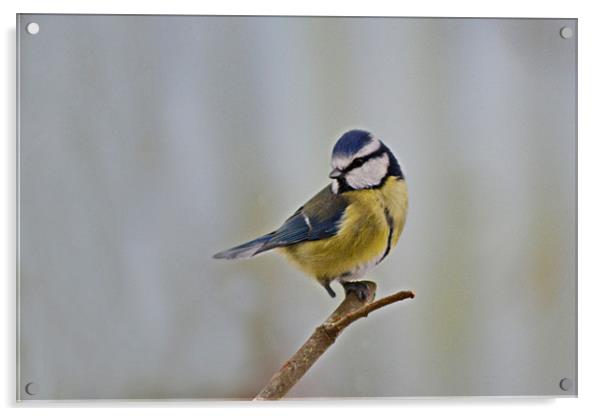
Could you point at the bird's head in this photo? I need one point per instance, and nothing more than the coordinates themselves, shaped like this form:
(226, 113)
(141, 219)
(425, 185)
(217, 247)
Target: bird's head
(361, 161)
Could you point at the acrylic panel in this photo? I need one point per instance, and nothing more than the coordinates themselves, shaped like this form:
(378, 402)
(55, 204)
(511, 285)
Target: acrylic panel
(148, 143)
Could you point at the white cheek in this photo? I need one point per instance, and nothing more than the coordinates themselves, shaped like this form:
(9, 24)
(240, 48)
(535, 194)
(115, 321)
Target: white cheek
(369, 174)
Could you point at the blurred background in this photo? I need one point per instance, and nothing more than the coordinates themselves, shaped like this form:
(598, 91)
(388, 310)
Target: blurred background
(148, 143)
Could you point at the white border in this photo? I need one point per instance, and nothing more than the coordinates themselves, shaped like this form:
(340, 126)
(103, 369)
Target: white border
(590, 184)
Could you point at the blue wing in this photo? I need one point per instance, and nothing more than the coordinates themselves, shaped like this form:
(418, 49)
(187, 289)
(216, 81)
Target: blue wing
(319, 218)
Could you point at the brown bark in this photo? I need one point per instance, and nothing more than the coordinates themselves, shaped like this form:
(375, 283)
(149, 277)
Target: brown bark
(349, 311)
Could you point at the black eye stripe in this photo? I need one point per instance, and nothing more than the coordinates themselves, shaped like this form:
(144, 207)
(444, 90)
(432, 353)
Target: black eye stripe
(361, 160)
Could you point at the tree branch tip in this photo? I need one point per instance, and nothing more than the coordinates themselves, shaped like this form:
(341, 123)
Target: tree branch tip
(352, 308)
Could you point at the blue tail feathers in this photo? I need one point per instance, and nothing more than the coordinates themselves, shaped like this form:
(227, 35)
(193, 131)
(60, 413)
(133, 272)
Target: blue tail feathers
(245, 250)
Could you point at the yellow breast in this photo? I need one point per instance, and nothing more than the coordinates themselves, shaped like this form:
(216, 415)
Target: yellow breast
(364, 234)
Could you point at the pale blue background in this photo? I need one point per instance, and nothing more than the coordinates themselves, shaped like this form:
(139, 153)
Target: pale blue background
(148, 143)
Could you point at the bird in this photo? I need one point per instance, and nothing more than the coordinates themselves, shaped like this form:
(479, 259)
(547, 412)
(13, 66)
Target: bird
(351, 225)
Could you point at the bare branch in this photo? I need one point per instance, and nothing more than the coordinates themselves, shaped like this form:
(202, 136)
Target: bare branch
(350, 310)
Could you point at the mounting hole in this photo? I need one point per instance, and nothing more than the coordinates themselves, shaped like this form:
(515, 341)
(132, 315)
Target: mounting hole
(32, 28)
(31, 389)
(566, 32)
(566, 384)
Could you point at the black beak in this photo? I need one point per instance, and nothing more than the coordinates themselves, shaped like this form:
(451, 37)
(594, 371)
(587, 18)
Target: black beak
(335, 174)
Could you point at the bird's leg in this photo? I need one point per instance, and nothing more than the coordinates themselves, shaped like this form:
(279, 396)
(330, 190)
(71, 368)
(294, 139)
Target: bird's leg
(359, 288)
(326, 284)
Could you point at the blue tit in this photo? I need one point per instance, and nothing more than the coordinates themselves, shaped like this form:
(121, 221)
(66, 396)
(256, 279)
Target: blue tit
(351, 225)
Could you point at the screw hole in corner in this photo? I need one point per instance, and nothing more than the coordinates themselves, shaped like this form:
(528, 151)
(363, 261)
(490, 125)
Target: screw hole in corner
(566, 384)
(566, 32)
(33, 28)
(30, 389)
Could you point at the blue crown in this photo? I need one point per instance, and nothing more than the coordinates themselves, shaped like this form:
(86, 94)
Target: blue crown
(351, 142)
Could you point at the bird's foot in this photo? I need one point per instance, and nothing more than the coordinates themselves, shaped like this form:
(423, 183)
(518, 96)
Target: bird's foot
(326, 285)
(361, 290)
